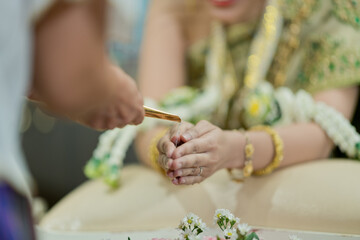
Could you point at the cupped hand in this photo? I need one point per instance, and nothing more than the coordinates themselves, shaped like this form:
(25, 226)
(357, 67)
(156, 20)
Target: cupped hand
(205, 150)
(168, 143)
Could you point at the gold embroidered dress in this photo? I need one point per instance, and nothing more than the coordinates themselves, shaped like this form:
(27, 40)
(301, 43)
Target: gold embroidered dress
(318, 49)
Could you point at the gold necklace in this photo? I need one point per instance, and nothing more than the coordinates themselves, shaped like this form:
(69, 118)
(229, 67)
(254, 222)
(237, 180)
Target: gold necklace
(277, 73)
(258, 60)
(270, 18)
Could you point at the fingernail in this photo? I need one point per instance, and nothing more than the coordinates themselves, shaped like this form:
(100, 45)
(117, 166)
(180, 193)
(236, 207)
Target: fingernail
(182, 181)
(187, 136)
(171, 174)
(175, 139)
(174, 181)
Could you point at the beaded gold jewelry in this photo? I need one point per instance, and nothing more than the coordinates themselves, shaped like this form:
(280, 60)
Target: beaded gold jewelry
(248, 167)
(279, 147)
(289, 44)
(154, 152)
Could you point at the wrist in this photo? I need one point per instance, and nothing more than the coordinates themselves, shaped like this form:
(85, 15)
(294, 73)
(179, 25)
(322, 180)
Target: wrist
(235, 142)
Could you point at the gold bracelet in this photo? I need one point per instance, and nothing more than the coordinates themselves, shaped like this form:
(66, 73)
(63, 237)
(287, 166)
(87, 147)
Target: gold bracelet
(154, 152)
(279, 148)
(248, 167)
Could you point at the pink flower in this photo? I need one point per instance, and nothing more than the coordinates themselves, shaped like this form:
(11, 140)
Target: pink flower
(211, 238)
(204, 238)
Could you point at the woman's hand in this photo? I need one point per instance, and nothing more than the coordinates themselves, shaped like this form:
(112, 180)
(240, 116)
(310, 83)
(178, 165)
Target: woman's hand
(168, 143)
(204, 149)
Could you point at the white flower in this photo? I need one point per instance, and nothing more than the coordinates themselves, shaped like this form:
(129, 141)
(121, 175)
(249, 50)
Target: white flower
(244, 228)
(184, 223)
(230, 216)
(192, 219)
(220, 213)
(187, 233)
(225, 219)
(191, 225)
(294, 237)
(193, 237)
(228, 233)
(265, 87)
(192, 216)
(200, 224)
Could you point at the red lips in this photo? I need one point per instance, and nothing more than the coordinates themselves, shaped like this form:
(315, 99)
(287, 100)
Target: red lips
(222, 3)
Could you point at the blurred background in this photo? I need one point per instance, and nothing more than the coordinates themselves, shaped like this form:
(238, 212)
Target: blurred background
(57, 150)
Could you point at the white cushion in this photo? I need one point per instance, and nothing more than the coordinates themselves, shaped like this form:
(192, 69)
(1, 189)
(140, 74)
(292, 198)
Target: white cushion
(317, 196)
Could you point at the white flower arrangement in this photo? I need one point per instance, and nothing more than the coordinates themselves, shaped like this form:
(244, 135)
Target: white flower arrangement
(226, 222)
(109, 154)
(339, 129)
(191, 227)
(243, 229)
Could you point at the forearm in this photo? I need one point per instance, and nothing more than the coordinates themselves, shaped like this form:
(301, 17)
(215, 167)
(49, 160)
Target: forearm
(303, 141)
(70, 62)
(162, 66)
(296, 149)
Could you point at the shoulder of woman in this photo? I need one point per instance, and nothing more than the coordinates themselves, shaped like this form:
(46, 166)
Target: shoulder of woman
(330, 34)
(346, 11)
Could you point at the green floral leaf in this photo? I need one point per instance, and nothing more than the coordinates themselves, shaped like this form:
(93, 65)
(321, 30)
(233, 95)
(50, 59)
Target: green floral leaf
(240, 237)
(252, 236)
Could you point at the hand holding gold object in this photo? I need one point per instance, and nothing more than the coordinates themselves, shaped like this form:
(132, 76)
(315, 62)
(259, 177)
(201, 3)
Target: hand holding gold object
(154, 113)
